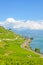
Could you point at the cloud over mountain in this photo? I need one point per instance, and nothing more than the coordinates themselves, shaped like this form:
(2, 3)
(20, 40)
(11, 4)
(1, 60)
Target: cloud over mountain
(20, 24)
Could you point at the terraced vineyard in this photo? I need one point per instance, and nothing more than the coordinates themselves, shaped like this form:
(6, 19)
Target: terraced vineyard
(11, 52)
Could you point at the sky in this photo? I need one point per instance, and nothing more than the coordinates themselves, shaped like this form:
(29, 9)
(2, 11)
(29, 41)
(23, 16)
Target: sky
(21, 14)
(21, 9)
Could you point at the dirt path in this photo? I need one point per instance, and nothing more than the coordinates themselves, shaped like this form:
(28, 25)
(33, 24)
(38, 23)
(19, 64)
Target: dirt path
(26, 44)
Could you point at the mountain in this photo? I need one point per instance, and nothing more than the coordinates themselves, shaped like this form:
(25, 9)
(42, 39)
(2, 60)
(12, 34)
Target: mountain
(11, 52)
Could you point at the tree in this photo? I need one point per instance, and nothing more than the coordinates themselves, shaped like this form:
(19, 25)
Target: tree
(9, 28)
(37, 50)
(31, 38)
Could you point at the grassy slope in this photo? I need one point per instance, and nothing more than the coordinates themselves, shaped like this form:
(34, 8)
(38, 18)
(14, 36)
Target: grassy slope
(11, 52)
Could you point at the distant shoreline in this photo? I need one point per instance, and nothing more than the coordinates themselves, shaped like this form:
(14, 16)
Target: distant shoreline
(41, 55)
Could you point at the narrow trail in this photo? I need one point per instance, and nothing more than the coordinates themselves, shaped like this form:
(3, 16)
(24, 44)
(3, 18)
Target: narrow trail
(27, 43)
(8, 39)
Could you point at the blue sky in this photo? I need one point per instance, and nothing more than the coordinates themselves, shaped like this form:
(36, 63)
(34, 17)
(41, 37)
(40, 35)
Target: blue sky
(21, 9)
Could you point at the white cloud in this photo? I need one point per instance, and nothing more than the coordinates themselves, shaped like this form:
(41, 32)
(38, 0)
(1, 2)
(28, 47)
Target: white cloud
(10, 20)
(20, 24)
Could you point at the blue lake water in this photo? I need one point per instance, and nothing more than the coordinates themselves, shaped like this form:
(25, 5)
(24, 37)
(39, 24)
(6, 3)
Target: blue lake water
(37, 43)
(37, 35)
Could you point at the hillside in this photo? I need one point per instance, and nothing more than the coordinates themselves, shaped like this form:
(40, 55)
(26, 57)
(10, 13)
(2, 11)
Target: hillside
(11, 52)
